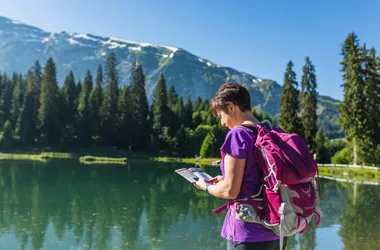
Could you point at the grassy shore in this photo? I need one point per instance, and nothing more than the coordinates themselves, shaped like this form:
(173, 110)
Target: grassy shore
(88, 159)
(201, 161)
(35, 157)
(358, 174)
(111, 156)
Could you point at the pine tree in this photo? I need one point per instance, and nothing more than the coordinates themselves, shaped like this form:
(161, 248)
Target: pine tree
(198, 104)
(78, 89)
(180, 142)
(321, 147)
(290, 122)
(370, 135)
(352, 107)
(308, 98)
(69, 95)
(188, 113)
(140, 108)
(48, 112)
(109, 108)
(161, 115)
(7, 139)
(179, 110)
(95, 101)
(212, 142)
(172, 97)
(17, 98)
(205, 105)
(6, 99)
(84, 112)
(27, 123)
(37, 78)
(125, 118)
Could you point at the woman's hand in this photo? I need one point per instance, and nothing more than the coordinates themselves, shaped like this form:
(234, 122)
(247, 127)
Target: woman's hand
(216, 179)
(200, 184)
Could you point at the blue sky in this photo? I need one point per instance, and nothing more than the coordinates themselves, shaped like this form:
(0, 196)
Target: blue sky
(256, 37)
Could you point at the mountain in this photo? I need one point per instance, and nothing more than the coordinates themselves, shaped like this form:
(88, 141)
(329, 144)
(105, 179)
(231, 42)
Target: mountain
(21, 45)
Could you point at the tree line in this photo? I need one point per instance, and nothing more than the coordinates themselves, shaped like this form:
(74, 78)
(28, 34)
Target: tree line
(35, 111)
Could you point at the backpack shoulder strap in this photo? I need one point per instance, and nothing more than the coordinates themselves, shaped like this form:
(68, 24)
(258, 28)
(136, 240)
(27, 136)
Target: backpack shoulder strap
(251, 128)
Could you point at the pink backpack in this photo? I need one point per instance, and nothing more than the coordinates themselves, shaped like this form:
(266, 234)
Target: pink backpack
(286, 202)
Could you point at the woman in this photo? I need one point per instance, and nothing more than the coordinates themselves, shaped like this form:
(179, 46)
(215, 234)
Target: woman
(241, 175)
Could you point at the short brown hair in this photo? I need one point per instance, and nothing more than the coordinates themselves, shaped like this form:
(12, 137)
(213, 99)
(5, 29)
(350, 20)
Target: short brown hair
(230, 92)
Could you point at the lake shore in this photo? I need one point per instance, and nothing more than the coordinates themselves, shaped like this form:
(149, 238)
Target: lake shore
(108, 156)
(119, 156)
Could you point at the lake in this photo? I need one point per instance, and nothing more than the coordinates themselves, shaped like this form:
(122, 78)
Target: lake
(68, 205)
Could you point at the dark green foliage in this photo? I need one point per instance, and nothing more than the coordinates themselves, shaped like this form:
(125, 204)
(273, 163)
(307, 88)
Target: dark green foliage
(161, 114)
(109, 108)
(48, 113)
(27, 121)
(7, 138)
(205, 105)
(198, 104)
(6, 99)
(308, 98)
(17, 98)
(179, 112)
(188, 113)
(360, 107)
(342, 157)
(70, 104)
(84, 112)
(197, 118)
(125, 124)
(321, 149)
(180, 143)
(352, 105)
(37, 75)
(211, 144)
(370, 136)
(289, 120)
(172, 97)
(140, 109)
(95, 101)
(325, 149)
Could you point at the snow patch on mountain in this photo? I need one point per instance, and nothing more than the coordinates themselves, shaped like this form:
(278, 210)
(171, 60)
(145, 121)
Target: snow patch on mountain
(49, 38)
(174, 49)
(72, 41)
(132, 42)
(206, 62)
(16, 22)
(257, 80)
(85, 36)
(135, 48)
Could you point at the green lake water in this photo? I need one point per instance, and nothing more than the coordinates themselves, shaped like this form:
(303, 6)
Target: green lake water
(68, 205)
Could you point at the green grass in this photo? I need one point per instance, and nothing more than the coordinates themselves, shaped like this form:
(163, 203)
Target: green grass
(201, 161)
(44, 156)
(88, 159)
(358, 174)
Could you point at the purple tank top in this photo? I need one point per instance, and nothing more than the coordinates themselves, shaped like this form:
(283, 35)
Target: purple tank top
(239, 144)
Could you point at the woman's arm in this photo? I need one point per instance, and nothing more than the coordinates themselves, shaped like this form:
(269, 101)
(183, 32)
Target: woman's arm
(229, 187)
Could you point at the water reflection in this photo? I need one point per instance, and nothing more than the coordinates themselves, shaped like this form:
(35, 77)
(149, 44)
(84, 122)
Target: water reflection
(66, 205)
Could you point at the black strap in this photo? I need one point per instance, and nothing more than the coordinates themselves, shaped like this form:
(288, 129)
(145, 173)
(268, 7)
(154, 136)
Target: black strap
(251, 128)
